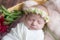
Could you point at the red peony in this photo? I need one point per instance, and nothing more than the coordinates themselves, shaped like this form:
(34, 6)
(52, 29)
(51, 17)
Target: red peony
(3, 28)
(1, 19)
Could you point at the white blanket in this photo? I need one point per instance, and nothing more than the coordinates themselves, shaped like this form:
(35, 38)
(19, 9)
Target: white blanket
(21, 32)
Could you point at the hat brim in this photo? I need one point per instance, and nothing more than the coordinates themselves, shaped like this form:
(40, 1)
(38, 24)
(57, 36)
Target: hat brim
(19, 6)
(16, 7)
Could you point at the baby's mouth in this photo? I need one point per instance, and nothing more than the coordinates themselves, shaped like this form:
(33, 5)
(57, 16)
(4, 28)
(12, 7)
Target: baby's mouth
(33, 27)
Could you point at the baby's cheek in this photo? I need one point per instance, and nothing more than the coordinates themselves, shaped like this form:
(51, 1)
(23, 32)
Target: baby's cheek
(29, 22)
(41, 26)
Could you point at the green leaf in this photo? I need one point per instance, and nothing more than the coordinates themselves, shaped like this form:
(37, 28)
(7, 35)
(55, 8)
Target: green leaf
(7, 23)
(4, 9)
(9, 19)
(13, 17)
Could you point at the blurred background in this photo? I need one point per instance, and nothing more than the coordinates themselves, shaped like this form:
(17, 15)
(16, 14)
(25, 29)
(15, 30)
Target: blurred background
(10, 3)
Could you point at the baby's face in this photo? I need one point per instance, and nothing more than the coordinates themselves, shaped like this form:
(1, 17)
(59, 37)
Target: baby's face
(34, 22)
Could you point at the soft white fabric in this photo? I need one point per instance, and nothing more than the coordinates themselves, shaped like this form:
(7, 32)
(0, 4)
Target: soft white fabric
(21, 32)
(54, 24)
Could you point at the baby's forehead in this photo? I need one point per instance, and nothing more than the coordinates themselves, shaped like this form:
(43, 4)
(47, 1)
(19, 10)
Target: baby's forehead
(32, 14)
(38, 16)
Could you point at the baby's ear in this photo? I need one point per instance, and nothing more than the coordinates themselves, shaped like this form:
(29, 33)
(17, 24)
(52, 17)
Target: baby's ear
(26, 15)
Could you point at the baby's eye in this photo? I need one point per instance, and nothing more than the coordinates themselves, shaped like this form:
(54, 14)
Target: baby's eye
(30, 19)
(39, 22)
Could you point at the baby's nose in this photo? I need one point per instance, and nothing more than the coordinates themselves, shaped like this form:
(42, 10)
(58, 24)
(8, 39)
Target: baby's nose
(34, 22)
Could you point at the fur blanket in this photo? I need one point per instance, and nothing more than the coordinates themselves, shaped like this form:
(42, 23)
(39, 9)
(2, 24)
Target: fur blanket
(54, 24)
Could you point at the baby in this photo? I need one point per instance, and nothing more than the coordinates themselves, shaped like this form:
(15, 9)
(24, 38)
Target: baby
(31, 27)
